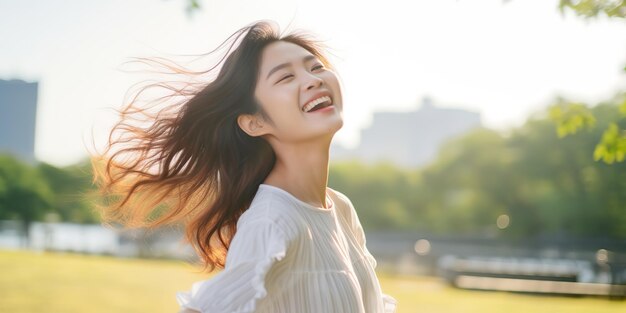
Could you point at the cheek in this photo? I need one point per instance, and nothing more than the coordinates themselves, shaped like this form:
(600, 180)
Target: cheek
(335, 86)
(284, 99)
(274, 101)
(282, 108)
(283, 102)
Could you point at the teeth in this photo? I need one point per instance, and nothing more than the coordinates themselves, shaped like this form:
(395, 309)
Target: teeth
(315, 102)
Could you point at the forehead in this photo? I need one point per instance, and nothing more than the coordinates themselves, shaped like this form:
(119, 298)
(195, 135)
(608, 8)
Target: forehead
(280, 52)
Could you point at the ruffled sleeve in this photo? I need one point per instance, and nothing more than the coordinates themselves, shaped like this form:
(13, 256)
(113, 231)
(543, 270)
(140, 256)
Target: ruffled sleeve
(255, 248)
(389, 303)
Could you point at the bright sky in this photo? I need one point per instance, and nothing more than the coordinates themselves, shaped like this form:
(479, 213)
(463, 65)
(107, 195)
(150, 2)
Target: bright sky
(505, 59)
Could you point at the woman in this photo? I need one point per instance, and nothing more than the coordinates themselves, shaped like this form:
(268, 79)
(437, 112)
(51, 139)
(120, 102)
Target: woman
(243, 163)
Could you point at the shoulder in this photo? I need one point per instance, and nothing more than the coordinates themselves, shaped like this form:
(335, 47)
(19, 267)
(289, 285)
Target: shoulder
(343, 199)
(271, 208)
(343, 204)
(346, 210)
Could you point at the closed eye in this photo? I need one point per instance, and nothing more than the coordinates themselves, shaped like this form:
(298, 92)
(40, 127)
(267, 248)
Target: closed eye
(284, 77)
(319, 66)
(316, 67)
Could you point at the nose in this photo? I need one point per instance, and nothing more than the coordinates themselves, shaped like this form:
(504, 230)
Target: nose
(313, 81)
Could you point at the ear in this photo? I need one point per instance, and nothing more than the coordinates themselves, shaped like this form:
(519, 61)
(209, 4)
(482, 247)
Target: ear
(252, 125)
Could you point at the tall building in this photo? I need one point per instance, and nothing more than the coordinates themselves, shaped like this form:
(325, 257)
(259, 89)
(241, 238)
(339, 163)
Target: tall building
(18, 112)
(409, 138)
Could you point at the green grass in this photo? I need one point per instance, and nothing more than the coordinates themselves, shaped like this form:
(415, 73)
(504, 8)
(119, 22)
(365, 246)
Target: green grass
(53, 282)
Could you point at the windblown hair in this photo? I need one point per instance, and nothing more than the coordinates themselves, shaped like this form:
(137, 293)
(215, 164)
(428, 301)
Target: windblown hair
(189, 163)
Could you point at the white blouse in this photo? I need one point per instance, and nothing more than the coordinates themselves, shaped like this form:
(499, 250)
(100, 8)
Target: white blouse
(289, 256)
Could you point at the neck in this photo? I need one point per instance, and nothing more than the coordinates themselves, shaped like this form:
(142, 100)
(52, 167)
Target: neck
(302, 170)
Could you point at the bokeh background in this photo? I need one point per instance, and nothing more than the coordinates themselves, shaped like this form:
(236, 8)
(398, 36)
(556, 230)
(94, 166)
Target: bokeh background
(483, 147)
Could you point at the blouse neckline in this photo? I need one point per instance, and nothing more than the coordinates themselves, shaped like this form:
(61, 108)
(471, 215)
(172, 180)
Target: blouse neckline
(329, 201)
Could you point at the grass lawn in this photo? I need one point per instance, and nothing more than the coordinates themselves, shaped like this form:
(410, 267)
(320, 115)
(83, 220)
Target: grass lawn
(67, 283)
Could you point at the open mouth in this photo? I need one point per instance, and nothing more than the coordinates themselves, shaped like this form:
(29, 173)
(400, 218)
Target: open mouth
(319, 103)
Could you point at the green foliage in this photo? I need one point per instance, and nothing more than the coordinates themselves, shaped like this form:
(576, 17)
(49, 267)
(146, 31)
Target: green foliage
(71, 187)
(36, 192)
(382, 192)
(543, 183)
(570, 117)
(592, 8)
(193, 6)
(612, 147)
(24, 195)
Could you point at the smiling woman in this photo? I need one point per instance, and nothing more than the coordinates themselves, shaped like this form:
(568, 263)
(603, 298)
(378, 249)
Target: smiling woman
(290, 89)
(243, 163)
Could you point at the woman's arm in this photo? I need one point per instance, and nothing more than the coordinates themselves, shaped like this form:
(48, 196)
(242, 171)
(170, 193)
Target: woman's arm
(255, 248)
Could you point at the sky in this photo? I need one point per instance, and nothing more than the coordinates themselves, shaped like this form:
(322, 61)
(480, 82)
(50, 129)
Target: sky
(504, 59)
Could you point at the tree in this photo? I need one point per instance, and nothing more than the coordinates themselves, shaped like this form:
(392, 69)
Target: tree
(380, 192)
(72, 191)
(592, 8)
(571, 116)
(24, 193)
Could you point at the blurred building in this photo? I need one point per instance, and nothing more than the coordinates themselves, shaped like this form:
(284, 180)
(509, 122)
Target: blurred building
(18, 112)
(409, 138)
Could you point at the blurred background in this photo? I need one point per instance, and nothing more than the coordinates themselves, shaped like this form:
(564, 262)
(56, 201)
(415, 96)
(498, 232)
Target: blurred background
(483, 147)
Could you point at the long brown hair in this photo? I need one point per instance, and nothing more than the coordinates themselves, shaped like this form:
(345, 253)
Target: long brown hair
(189, 162)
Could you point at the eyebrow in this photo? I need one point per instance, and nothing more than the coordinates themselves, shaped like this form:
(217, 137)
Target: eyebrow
(280, 66)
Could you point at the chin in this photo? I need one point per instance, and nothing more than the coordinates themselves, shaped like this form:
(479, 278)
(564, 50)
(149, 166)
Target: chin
(336, 121)
(340, 125)
(336, 127)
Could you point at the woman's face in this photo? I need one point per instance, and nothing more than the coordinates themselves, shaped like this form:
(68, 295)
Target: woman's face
(290, 83)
